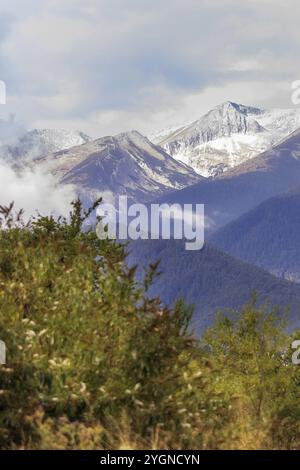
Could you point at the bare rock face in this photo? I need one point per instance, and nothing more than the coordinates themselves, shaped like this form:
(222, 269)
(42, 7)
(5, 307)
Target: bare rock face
(126, 164)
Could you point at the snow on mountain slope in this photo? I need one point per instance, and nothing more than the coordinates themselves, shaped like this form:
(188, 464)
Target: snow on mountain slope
(39, 142)
(227, 136)
(124, 164)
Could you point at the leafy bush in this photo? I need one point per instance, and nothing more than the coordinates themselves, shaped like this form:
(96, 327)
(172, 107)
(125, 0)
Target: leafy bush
(95, 362)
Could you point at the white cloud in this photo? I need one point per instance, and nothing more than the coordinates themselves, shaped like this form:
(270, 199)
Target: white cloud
(107, 65)
(33, 190)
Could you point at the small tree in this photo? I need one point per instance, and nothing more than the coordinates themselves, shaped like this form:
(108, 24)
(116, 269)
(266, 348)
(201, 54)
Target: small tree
(251, 349)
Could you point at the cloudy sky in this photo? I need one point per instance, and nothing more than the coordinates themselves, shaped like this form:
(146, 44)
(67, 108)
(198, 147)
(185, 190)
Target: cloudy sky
(105, 66)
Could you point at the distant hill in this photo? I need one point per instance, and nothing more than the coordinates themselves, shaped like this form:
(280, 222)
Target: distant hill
(211, 280)
(268, 236)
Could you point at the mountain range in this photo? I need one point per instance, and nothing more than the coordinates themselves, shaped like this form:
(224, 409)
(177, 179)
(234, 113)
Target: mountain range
(240, 161)
(227, 136)
(125, 164)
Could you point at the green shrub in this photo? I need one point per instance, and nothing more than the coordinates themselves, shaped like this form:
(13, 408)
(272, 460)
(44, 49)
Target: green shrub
(94, 362)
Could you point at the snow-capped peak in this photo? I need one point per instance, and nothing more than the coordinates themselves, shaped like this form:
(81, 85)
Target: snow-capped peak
(227, 135)
(39, 142)
(241, 108)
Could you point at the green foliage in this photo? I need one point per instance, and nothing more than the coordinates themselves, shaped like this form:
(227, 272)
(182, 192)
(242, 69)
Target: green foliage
(83, 339)
(252, 352)
(94, 362)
